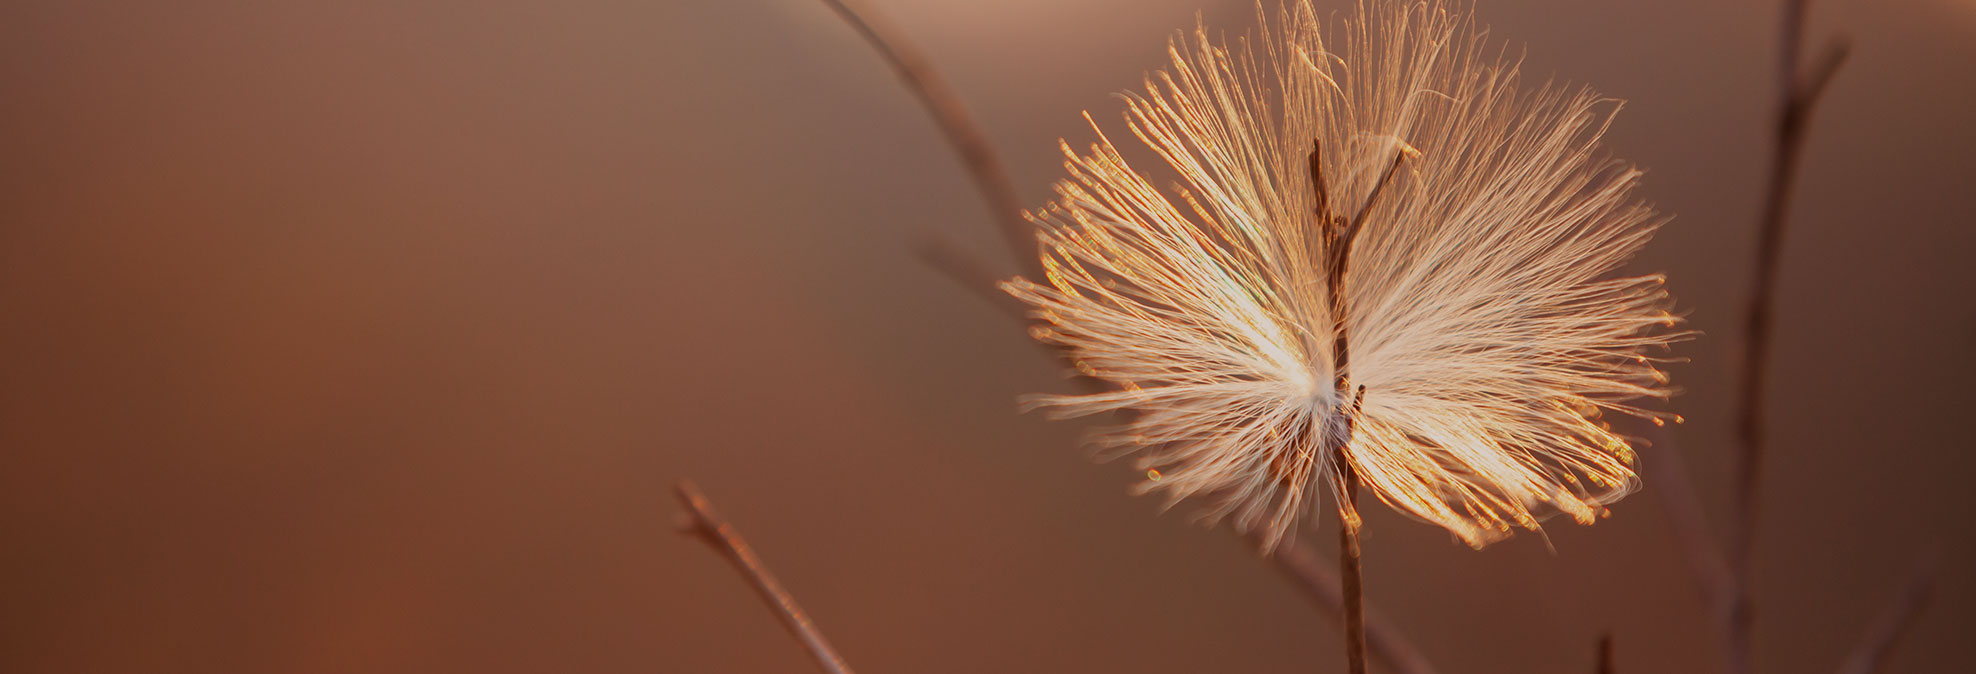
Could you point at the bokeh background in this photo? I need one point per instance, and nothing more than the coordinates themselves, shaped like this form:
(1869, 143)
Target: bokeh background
(370, 336)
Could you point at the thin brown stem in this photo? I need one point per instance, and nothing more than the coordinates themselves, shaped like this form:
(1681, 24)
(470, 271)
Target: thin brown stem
(1605, 663)
(1664, 467)
(708, 525)
(1886, 632)
(977, 154)
(1358, 220)
(967, 271)
(1812, 88)
(984, 166)
(1348, 565)
(1796, 100)
(1323, 209)
(1302, 564)
(1340, 236)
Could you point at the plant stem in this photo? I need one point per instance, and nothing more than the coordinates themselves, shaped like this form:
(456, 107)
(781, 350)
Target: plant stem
(1668, 472)
(1348, 565)
(1338, 244)
(1886, 631)
(983, 164)
(1301, 562)
(1796, 99)
(709, 526)
(1605, 665)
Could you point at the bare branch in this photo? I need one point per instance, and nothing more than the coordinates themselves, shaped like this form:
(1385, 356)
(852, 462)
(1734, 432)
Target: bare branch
(1813, 87)
(1606, 665)
(991, 178)
(1341, 234)
(1349, 568)
(1886, 632)
(1666, 469)
(1385, 641)
(1358, 220)
(709, 526)
(963, 268)
(1797, 96)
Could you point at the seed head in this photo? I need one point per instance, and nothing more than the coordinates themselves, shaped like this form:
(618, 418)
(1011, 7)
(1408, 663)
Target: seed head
(1380, 246)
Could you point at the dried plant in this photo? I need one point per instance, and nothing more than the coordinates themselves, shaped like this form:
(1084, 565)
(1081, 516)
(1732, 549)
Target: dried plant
(1494, 237)
(1382, 262)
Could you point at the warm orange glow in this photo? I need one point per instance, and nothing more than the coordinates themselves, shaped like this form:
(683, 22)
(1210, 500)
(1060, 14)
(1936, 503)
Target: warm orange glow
(1487, 343)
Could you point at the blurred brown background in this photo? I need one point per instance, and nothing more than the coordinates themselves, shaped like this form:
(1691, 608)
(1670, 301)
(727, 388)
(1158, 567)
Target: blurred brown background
(369, 336)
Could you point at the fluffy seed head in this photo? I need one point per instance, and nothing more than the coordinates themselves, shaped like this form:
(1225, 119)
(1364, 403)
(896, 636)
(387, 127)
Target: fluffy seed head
(1480, 326)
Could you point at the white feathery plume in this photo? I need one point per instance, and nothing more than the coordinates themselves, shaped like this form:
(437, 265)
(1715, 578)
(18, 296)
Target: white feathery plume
(1477, 215)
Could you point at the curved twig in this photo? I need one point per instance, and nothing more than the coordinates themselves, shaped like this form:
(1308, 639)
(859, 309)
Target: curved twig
(708, 526)
(1606, 665)
(1886, 632)
(1663, 466)
(1798, 96)
(1305, 567)
(991, 178)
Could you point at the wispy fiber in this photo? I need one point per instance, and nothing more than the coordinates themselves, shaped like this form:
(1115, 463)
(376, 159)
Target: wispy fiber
(1484, 337)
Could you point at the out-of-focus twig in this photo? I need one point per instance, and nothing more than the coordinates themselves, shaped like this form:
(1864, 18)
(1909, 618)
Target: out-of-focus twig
(708, 525)
(963, 268)
(1305, 567)
(1798, 96)
(1665, 469)
(1886, 632)
(983, 164)
(1605, 665)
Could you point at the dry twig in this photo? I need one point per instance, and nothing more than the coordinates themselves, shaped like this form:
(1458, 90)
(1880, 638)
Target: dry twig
(1353, 604)
(708, 525)
(1798, 96)
(1307, 569)
(1667, 471)
(1340, 235)
(1886, 632)
(983, 165)
(1606, 665)
(1726, 580)
(963, 268)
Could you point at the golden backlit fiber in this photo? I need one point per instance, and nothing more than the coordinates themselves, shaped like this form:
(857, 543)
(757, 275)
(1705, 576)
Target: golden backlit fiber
(1482, 332)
